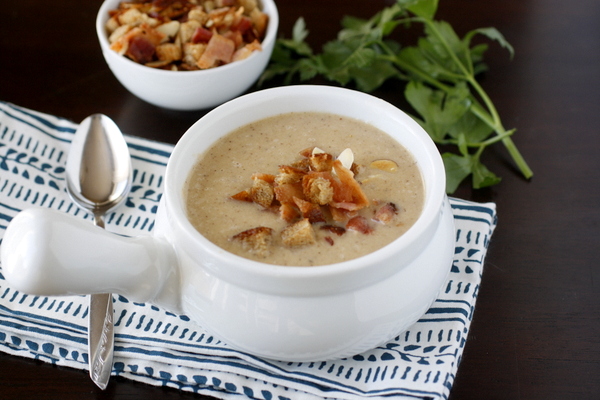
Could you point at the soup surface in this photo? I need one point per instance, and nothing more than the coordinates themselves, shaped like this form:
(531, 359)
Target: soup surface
(385, 172)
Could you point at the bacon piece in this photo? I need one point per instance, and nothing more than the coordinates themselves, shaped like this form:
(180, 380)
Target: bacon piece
(270, 178)
(359, 224)
(246, 51)
(285, 193)
(288, 212)
(310, 210)
(139, 43)
(339, 214)
(307, 152)
(338, 230)
(329, 240)
(201, 35)
(219, 49)
(141, 50)
(236, 38)
(386, 213)
(244, 195)
(351, 186)
(242, 25)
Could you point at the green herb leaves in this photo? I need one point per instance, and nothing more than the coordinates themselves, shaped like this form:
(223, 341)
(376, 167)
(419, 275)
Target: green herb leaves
(440, 71)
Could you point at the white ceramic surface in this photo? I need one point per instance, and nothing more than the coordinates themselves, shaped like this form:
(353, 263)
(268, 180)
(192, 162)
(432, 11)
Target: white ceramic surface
(285, 313)
(188, 90)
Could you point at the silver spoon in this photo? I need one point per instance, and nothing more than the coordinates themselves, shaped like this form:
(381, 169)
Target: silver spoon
(99, 177)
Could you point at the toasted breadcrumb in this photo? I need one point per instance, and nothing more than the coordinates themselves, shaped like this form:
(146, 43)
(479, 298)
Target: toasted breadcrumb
(262, 192)
(317, 189)
(321, 162)
(289, 174)
(300, 233)
(256, 240)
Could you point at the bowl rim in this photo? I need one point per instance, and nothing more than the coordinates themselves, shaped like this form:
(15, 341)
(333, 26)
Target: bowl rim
(190, 237)
(268, 6)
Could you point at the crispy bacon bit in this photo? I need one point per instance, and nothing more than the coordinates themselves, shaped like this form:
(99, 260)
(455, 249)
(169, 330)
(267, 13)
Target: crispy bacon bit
(246, 51)
(359, 224)
(243, 25)
(347, 178)
(340, 215)
(219, 49)
(386, 213)
(316, 189)
(286, 192)
(307, 152)
(244, 195)
(265, 177)
(140, 49)
(310, 210)
(329, 240)
(300, 233)
(338, 230)
(239, 24)
(201, 35)
(256, 240)
(288, 212)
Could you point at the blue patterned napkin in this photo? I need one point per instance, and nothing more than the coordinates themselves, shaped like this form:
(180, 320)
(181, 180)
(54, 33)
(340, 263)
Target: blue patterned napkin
(160, 348)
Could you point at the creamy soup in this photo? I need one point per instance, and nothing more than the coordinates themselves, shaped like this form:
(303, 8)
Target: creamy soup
(225, 202)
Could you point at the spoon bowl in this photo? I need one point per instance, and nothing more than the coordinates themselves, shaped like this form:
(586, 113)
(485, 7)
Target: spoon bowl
(98, 165)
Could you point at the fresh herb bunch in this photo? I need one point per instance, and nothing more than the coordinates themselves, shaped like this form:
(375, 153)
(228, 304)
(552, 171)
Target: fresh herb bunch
(440, 71)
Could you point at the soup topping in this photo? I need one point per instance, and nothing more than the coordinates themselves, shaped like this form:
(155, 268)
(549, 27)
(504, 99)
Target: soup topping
(316, 189)
(186, 35)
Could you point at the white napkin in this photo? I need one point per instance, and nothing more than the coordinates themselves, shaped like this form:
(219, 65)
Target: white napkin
(160, 348)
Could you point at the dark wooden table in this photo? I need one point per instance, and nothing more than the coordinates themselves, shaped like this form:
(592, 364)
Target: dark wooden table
(536, 329)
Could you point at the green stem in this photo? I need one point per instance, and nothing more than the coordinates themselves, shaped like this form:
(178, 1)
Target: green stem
(507, 141)
(496, 122)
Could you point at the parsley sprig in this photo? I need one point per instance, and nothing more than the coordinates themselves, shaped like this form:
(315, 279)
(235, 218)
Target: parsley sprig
(440, 71)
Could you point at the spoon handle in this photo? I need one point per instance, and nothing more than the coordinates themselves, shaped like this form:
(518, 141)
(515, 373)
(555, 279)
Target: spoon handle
(101, 332)
(101, 338)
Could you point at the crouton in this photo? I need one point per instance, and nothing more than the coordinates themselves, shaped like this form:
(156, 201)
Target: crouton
(168, 52)
(321, 162)
(289, 174)
(300, 233)
(256, 240)
(317, 188)
(262, 192)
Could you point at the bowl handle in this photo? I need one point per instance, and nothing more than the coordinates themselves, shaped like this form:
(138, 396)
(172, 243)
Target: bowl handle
(46, 252)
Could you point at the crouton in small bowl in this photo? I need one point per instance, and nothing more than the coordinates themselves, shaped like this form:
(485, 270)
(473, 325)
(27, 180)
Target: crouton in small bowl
(187, 55)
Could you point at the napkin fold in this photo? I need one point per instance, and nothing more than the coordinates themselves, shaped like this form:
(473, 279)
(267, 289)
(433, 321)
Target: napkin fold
(160, 348)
